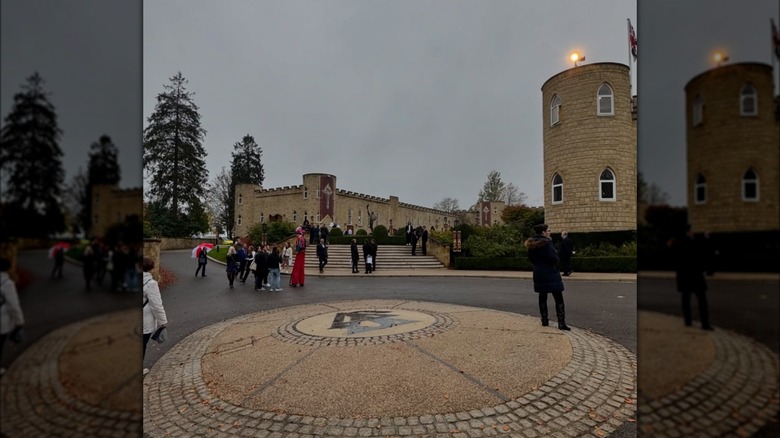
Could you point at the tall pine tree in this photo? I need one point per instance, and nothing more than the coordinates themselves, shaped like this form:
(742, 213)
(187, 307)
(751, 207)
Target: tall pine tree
(175, 158)
(493, 189)
(31, 159)
(246, 167)
(103, 168)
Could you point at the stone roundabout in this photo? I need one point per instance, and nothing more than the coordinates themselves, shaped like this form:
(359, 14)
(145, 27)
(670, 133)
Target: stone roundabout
(78, 381)
(389, 368)
(704, 384)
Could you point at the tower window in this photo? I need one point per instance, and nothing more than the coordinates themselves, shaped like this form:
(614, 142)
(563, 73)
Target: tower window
(557, 189)
(700, 190)
(607, 186)
(305, 192)
(698, 111)
(240, 199)
(555, 110)
(604, 101)
(750, 187)
(239, 219)
(748, 105)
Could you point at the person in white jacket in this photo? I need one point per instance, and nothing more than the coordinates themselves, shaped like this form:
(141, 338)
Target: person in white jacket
(154, 313)
(11, 316)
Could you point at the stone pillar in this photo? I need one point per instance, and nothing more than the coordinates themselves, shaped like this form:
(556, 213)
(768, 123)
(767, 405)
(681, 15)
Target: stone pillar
(152, 250)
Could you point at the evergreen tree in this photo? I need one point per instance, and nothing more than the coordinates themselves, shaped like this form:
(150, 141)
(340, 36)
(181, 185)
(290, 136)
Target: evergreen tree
(246, 167)
(31, 156)
(103, 168)
(493, 190)
(173, 153)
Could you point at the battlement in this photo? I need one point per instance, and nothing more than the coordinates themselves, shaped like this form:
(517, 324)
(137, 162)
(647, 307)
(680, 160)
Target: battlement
(361, 196)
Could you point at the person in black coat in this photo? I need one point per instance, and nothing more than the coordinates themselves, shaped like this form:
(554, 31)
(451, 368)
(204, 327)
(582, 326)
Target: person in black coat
(547, 278)
(374, 249)
(565, 252)
(355, 256)
(424, 241)
(692, 261)
(261, 268)
(322, 254)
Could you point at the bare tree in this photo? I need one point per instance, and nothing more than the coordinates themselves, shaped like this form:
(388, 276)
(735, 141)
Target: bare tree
(513, 195)
(218, 198)
(75, 201)
(447, 204)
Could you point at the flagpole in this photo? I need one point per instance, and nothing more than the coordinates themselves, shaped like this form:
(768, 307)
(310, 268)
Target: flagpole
(630, 65)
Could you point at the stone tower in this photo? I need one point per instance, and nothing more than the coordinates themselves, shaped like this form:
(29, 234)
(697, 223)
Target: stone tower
(733, 137)
(589, 138)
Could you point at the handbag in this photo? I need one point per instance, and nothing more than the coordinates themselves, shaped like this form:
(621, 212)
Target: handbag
(160, 335)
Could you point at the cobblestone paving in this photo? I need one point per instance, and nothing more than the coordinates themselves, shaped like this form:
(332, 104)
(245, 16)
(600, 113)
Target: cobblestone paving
(593, 395)
(736, 396)
(36, 404)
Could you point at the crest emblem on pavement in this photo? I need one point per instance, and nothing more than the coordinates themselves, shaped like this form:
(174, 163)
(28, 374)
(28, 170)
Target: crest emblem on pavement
(367, 320)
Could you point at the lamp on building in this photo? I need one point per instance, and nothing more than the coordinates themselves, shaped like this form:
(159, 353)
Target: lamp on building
(577, 57)
(719, 58)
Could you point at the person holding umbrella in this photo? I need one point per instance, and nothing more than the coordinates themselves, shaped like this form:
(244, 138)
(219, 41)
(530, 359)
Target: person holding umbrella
(202, 261)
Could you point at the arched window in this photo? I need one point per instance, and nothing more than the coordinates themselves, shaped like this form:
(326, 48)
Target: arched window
(557, 189)
(607, 186)
(698, 111)
(700, 189)
(750, 187)
(240, 199)
(555, 110)
(305, 192)
(349, 216)
(748, 101)
(295, 216)
(305, 215)
(360, 218)
(262, 218)
(604, 106)
(239, 219)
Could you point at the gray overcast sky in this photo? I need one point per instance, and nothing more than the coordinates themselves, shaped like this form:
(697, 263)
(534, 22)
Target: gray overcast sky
(676, 43)
(419, 99)
(89, 54)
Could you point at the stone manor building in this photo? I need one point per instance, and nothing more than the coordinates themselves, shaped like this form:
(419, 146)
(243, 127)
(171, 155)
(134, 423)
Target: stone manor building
(589, 139)
(320, 201)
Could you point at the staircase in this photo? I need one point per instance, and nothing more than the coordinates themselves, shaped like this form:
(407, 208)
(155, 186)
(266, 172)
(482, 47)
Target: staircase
(389, 257)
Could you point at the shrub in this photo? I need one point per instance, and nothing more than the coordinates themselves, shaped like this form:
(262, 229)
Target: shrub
(361, 232)
(336, 232)
(442, 236)
(275, 231)
(380, 231)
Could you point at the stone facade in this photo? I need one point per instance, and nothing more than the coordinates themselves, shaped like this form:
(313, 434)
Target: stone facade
(582, 145)
(111, 205)
(489, 213)
(320, 201)
(723, 144)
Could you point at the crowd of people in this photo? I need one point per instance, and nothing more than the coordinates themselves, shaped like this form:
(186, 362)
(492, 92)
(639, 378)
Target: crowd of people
(120, 262)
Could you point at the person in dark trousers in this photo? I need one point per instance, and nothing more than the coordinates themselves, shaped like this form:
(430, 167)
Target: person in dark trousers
(203, 259)
(250, 257)
(424, 241)
(100, 261)
(565, 252)
(355, 256)
(322, 254)
(59, 260)
(692, 262)
(547, 278)
(367, 256)
(261, 268)
(231, 265)
(374, 249)
(88, 266)
(416, 234)
(314, 234)
(409, 231)
(241, 253)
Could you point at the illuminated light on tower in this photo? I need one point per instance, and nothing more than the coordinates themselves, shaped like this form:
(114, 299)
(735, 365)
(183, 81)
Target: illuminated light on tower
(576, 57)
(719, 58)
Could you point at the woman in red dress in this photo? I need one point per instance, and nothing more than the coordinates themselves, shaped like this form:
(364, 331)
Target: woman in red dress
(298, 274)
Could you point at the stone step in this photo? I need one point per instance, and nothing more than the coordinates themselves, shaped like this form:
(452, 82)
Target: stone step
(388, 257)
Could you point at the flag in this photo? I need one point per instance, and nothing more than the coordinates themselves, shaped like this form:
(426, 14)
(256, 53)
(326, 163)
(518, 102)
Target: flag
(775, 39)
(632, 39)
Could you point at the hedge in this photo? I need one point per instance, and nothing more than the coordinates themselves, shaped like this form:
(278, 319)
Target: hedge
(579, 264)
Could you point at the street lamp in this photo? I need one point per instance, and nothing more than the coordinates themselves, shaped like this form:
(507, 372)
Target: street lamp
(577, 57)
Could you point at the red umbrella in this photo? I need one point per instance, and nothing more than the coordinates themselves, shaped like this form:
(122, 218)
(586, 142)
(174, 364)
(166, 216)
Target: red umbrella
(207, 246)
(64, 245)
